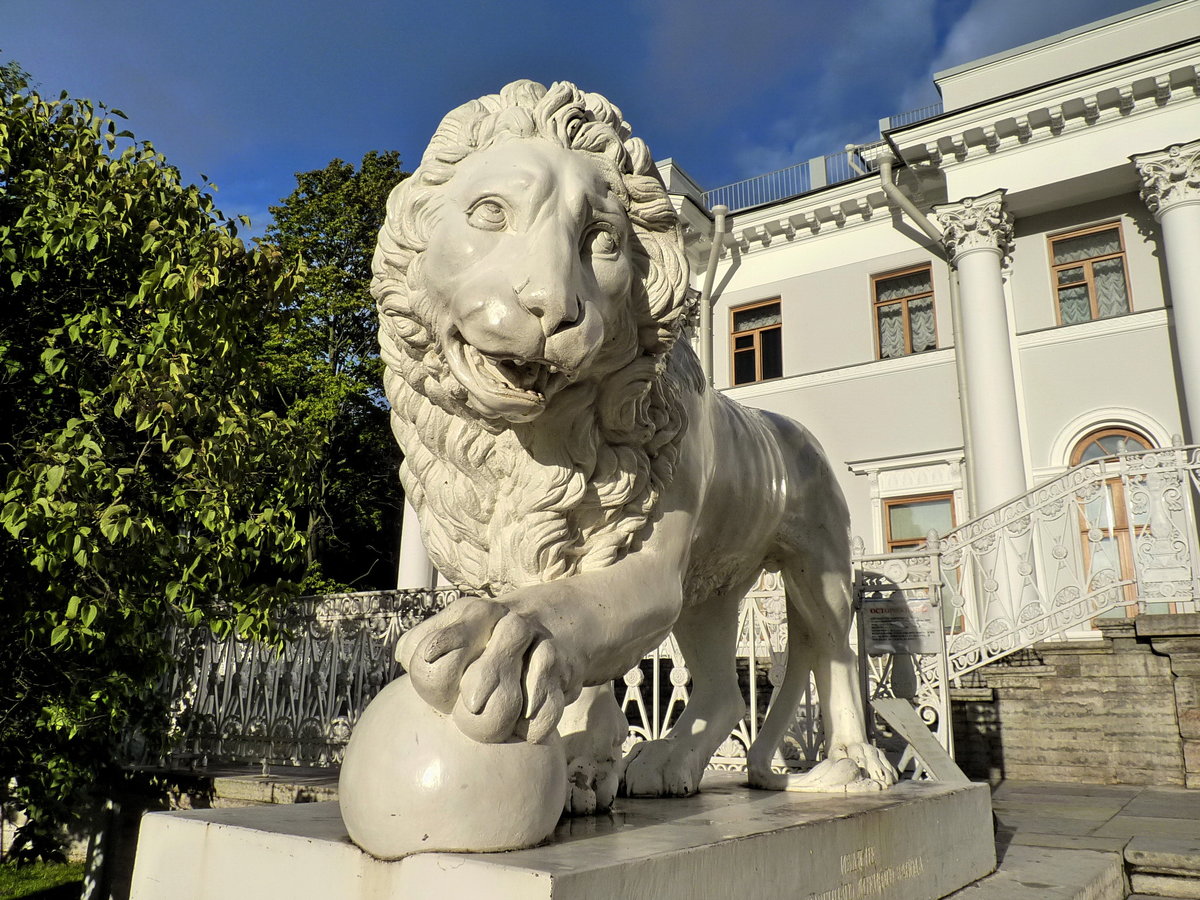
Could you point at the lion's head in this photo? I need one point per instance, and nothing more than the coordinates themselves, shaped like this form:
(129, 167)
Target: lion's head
(531, 282)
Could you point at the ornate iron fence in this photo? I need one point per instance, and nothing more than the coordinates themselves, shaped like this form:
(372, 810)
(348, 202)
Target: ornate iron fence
(1111, 533)
(237, 700)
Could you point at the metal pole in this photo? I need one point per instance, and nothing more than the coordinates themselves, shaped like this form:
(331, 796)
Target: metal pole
(714, 253)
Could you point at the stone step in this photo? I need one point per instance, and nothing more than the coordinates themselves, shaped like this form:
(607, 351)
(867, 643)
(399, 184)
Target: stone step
(1040, 873)
(1166, 886)
(1164, 867)
(1165, 856)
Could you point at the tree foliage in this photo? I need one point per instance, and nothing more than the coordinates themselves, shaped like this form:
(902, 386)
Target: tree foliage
(144, 481)
(327, 373)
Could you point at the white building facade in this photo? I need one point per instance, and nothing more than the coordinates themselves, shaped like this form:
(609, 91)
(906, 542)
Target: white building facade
(1010, 288)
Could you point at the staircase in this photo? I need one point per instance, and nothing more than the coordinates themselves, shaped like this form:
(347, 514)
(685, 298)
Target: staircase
(1114, 534)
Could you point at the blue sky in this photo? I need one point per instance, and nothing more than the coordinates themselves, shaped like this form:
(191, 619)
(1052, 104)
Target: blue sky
(251, 91)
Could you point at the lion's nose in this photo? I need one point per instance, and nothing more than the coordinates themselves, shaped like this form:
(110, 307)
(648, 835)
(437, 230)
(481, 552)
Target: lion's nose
(556, 310)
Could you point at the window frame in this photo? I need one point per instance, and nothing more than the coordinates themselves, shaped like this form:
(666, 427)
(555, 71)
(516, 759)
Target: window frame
(1087, 265)
(890, 545)
(876, 303)
(756, 334)
(1121, 532)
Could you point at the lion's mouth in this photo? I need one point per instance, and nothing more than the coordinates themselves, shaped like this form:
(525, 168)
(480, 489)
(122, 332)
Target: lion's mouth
(507, 386)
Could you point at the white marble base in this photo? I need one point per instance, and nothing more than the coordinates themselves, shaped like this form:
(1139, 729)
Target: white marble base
(915, 842)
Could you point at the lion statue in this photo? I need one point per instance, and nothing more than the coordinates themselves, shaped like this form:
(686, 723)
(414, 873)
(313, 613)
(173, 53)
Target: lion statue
(569, 461)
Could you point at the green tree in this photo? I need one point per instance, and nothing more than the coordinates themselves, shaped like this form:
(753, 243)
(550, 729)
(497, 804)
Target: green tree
(327, 373)
(144, 480)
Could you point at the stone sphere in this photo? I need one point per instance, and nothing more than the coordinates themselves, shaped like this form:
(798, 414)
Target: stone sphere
(411, 782)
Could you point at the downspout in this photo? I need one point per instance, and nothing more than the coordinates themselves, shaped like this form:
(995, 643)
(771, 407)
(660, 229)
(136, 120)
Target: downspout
(922, 221)
(719, 211)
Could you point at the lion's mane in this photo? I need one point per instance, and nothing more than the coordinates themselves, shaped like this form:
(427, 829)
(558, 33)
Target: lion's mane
(504, 505)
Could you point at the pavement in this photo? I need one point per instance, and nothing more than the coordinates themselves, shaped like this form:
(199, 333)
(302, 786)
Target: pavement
(1077, 832)
(1053, 841)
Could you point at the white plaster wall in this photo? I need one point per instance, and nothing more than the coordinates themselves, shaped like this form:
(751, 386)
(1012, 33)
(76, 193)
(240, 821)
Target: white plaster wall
(1109, 40)
(828, 319)
(1093, 376)
(895, 411)
(1030, 277)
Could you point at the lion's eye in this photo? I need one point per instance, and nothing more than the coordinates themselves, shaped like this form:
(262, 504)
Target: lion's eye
(488, 215)
(601, 242)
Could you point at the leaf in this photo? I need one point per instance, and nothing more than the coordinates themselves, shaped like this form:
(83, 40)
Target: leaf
(58, 634)
(54, 478)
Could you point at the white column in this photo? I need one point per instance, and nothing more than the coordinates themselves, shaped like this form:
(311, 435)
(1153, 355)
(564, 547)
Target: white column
(415, 571)
(978, 232)
(1171, 189)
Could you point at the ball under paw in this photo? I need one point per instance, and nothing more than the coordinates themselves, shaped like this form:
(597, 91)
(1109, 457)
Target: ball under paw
(411, 782)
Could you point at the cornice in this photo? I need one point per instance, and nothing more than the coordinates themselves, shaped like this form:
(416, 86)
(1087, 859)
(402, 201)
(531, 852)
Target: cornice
(832, 210)
(1048, 112)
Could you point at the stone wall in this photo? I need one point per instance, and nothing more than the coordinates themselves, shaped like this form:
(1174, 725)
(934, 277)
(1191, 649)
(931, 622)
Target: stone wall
(1122, 710)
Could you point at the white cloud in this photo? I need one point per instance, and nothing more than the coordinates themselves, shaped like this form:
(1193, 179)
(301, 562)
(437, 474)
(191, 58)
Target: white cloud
(993, 26)
(847, 85)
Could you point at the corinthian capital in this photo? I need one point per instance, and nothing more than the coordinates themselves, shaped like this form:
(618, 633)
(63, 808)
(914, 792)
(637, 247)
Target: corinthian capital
(1169, 176)
(976, 223)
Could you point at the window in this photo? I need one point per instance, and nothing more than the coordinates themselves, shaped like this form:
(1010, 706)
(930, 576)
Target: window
(1105, 526)
(904, 321)
(907, 520)
(1088, 269)
(757, 342)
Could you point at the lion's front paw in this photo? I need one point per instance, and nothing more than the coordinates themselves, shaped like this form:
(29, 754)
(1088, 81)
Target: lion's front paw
(496, 672)
(871, 761)
(662, 768)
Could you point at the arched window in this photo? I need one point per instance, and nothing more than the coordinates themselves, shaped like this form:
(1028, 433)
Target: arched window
(1108, 442)
(1105, 525)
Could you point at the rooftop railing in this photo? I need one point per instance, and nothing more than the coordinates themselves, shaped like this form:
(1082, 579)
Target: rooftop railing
(783, 184)
(913, 115)
(819, 172)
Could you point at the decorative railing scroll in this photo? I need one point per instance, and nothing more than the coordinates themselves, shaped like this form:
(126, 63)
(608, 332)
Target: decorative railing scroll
(1111, 533)
(238, 700)
(653, 694)
(919, 678)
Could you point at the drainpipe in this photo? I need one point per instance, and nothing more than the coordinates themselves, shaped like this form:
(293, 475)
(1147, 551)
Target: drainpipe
(922, 221)
(719, 211)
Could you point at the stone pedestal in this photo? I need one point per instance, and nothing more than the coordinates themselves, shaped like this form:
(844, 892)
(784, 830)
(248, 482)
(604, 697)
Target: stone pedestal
(916, 842)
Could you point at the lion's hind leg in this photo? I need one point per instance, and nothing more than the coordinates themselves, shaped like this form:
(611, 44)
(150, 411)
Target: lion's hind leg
(819, 616)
